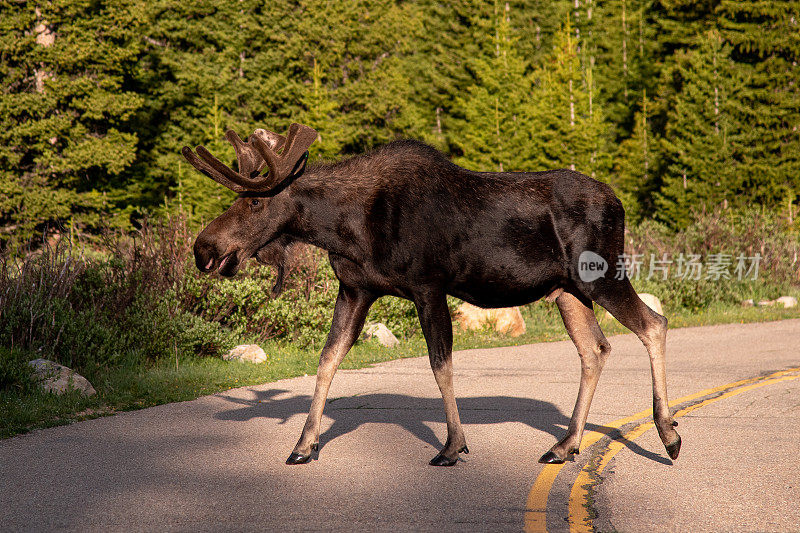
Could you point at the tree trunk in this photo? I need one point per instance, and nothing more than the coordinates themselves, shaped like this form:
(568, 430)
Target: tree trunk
(44, 37)
(624, 52)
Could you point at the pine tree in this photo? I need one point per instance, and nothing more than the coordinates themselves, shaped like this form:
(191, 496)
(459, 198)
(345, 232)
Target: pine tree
(446, 39)
(621, 36)
(202, 199)
(202, 80)
(319, 113)
(567, 123)
(493, 132)
(705, 135)
(765, 40)
(362, 45)
(68, 114)
(635, 167)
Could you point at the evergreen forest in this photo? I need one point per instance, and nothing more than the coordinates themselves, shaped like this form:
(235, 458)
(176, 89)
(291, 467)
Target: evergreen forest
(683, 106)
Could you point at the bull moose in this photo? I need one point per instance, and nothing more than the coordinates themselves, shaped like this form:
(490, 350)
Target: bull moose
(403, 220)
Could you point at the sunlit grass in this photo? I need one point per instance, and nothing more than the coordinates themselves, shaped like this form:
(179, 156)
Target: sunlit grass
(169, 380)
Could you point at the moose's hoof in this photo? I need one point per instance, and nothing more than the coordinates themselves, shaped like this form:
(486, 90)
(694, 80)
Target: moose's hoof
(443, 460)
(551, 459)
(674, 449)
(298, 459)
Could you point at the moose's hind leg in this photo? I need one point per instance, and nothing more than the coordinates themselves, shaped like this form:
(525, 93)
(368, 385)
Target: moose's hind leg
(621, 300)
(593, 349)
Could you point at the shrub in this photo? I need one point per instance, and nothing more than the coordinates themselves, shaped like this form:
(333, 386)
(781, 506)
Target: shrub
(747, 232)
(15, 375)
(118, 308)
(301, 315)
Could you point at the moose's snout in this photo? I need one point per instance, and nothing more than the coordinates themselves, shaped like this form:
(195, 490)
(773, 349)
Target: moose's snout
(205, 255)
(208, 258)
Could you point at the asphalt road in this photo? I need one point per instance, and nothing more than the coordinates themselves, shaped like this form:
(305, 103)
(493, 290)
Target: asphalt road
(217, 463)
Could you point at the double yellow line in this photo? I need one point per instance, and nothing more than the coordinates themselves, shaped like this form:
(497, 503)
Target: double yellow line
(579, 519)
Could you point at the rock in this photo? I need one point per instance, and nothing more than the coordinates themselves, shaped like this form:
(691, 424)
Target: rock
(785, 301)
(506, 320)
(748, 303)
(58, 379)
(382, 333)
(251, 353)
(650, 301)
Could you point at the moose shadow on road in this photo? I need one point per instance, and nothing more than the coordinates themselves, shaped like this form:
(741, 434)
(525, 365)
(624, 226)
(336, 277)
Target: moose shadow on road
(350, 412)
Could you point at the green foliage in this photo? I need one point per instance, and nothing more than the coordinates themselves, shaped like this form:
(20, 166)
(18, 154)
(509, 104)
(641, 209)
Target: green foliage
(319, 111)
(622, 39)
(569, 129)
(68, 110)
(15, 374)
(765, 41)
(301, 315)
(100, 97)
(705, 136)
(748, 232)
(494, 131)
(116, 309)
(634, 170)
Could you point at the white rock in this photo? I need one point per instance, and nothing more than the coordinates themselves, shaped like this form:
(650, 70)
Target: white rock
(650, 301)
(58, 379)
(766, 303)
(506, 320)
(787, 301)
(748, 303)
(382, 333)
(251, 353)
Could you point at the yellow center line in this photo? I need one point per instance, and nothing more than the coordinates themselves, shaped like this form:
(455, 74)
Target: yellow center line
(579, 519)
(536, 504)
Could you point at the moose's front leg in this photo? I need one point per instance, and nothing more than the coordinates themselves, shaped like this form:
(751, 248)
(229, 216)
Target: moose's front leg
(437, 326)
(349, 314)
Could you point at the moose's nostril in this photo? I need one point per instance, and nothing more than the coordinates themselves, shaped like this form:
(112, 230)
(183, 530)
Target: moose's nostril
(209, 264)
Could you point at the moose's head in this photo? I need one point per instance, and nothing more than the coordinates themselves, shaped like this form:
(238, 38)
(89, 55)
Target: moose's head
(252, 226)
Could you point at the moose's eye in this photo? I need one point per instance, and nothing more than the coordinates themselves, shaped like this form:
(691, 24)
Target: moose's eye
(255, 202)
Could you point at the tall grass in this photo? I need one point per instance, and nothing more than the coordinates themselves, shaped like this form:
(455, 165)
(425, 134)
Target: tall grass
(127, 300)
(110, 305)
(33, 293)
(749, 232)
(732, 233)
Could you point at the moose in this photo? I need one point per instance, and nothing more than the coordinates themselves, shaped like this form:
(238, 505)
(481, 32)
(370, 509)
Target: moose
(403, 220)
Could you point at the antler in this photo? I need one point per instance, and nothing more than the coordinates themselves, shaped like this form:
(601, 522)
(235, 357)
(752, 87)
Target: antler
(253, 155)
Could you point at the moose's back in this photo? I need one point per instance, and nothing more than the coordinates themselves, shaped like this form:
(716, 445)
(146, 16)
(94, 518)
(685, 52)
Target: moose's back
(493, 239)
